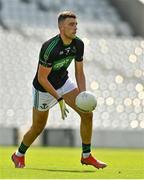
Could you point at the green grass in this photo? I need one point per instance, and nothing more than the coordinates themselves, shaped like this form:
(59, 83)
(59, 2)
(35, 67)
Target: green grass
(64, 163)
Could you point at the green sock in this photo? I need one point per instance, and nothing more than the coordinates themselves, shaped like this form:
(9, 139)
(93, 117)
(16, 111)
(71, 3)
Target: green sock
(23, 148)
(86, 148)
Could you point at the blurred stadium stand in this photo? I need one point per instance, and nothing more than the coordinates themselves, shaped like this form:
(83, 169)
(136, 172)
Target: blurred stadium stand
(114, 54)
(132, 12)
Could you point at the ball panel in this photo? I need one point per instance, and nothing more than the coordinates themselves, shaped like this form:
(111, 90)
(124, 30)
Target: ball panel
(86, 101)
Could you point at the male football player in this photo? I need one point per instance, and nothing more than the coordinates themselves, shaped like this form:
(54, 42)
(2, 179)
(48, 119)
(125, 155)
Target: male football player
(52, 85)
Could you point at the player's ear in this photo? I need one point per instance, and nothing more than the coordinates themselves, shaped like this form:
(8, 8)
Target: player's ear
(60, 25)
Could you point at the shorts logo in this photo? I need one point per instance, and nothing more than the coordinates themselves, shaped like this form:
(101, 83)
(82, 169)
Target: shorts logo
(44, 106)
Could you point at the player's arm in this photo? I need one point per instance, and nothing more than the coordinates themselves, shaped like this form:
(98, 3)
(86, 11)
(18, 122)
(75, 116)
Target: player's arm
(43, 73)
(80, 76)
(79, 70)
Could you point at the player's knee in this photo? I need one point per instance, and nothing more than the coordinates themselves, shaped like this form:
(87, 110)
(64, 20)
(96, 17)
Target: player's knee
(88, 116)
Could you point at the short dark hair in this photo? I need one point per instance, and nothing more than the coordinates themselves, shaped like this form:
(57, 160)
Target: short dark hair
(65, 14)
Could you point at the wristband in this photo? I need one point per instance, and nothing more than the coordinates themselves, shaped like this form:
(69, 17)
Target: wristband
(60, 99)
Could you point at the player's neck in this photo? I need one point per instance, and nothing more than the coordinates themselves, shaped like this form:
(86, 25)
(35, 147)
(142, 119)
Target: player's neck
(66, 41)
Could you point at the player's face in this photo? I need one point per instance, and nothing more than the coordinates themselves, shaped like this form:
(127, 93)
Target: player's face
(69, 27)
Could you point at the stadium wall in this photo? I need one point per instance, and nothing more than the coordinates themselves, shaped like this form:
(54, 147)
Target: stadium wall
(8, 136)
(101, 138)
(71, 138)
(133, 12)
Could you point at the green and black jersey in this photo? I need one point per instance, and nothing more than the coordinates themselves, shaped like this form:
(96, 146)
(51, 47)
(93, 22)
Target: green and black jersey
(58, 56)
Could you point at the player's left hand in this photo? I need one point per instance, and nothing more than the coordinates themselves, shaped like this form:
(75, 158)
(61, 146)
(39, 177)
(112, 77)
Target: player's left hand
(63, 108)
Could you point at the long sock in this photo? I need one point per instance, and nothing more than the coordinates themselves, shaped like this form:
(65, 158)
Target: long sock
(22, 149)
(86, 149)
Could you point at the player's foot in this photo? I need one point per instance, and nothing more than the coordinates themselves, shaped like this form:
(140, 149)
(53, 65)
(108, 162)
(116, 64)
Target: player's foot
(92, 161)
(19, 162)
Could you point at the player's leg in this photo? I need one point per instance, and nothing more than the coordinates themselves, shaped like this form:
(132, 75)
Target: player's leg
(86, 118)
(38, 124)
(85, 131)
(41, 105)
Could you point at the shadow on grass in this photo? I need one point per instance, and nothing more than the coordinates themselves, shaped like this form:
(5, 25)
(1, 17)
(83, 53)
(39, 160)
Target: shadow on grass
(63, 170)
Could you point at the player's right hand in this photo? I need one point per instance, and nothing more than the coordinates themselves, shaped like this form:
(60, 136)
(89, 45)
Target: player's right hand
(63, 108)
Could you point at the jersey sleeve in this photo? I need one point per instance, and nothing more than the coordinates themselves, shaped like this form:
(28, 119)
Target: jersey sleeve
(45, 58)
(80, 50)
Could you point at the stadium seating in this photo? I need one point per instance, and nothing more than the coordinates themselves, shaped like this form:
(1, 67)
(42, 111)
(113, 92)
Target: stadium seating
(113, 62)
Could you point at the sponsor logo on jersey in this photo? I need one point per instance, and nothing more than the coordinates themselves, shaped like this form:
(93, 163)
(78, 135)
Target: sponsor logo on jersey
(63, 63)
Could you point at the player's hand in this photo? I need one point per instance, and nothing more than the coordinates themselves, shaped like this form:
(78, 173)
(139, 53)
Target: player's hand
(63, 108)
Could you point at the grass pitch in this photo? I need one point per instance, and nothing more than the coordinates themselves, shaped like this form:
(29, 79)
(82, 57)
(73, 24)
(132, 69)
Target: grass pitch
(64, 163)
